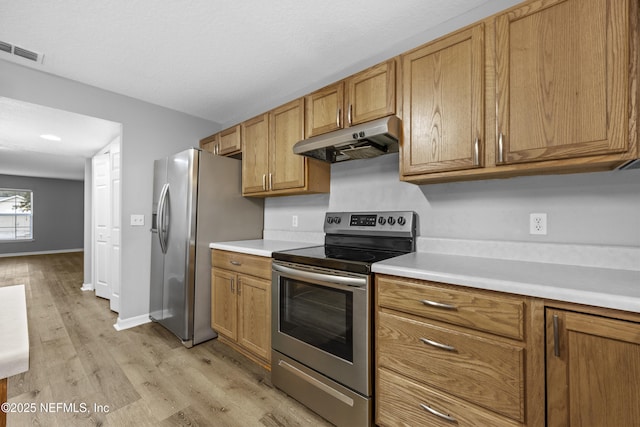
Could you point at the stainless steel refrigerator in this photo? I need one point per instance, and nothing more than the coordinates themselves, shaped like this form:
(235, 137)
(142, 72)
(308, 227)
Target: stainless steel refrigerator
(196, 201)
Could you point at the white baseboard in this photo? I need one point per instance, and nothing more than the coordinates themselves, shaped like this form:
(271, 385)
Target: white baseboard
(61, 251)
(131, 322)
(87, 287)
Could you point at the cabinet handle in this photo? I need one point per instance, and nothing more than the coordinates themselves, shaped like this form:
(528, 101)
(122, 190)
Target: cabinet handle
(556, 337)
(438, 413)
(232, 289)
(234, 262)
(338, 117)
(438, 345)
(270, 181)
(264, 182)
(349, 114)
(438, 304)
(500, 148)
(476, 152)
(239, 287)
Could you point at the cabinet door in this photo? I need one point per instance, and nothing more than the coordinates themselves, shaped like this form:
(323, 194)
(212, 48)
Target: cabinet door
(229, 141)
(443, 104)
(209, 143)
(371, 94)
(562, 80)
(255, 156)
(324, 110)
(254, 312)
(593, 370)
(286, 127)
(223, 303)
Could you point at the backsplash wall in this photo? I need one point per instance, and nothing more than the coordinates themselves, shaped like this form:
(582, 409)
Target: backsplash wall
(588, 211)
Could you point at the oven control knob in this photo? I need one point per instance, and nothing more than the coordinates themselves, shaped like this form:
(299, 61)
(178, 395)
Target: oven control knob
(391, 220)
(382, 220)
(329, 220)
(337, 220)
(401, 221)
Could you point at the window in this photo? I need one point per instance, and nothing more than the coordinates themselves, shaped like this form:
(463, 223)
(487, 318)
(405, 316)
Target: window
(16, 214)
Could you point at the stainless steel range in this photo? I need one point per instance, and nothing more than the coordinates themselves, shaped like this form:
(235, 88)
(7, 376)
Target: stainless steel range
(322, 301)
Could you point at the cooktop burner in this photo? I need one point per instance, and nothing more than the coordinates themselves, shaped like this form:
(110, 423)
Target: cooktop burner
(354, 241)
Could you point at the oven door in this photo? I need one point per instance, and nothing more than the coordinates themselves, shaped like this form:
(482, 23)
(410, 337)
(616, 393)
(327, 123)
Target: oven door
(321, 318)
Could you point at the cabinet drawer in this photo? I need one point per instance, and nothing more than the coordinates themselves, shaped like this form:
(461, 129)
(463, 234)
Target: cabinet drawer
(399, 402)
(472, 309)
(485, 372)
(242, 263)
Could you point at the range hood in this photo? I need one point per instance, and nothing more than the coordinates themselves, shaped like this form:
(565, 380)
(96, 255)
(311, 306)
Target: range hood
(362, 141)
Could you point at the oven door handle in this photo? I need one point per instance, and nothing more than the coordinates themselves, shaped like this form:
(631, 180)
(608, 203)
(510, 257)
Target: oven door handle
(312, 275)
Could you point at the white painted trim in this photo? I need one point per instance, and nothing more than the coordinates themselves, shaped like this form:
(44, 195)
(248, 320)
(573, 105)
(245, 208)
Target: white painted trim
(87, 287)
(131, 322)
(61, 251)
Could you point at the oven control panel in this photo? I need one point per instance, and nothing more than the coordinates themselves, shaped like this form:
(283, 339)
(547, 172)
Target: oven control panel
(388, 222)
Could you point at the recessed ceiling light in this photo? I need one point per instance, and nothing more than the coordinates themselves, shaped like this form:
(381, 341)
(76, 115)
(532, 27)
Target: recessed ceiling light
(51, 137)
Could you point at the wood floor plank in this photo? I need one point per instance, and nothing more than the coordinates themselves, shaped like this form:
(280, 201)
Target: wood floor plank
(138, 377)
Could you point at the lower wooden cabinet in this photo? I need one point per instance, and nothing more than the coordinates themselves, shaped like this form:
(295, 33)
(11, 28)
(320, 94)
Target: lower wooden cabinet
(241, 303)
(593, 370)
(451, 355)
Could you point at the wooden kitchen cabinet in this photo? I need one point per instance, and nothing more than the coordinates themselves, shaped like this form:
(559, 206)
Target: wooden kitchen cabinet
(559, 94)
(255, 158)
(241, 303)
(269, 167)
(443, 101)
(224, 143)
(368, 95)
(593, 370)
(562, 80)
(448, 354)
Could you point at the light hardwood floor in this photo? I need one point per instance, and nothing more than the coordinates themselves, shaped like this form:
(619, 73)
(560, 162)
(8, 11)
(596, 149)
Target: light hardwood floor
(143, 375)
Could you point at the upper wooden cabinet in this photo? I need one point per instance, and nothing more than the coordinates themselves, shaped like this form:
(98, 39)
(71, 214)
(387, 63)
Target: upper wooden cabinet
(549, 86)
(593, 370)
(255, 159)
(230, 142)
(365, 96)
(269, 167)
(224, 143)
(562, 80)
(443, 101)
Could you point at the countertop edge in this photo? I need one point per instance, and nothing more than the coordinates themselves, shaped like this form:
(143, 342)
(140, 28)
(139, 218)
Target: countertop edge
(623, 296)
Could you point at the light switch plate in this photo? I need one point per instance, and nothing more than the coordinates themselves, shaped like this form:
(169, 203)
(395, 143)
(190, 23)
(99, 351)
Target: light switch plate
(137, 220)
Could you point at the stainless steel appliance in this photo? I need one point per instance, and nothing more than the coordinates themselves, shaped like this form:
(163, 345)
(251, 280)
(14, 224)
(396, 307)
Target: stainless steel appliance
(362, 141)
(196, 200)
(322, 303)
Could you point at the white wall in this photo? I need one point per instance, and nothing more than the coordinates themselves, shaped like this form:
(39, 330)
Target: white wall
(149, 132)
(585, 211)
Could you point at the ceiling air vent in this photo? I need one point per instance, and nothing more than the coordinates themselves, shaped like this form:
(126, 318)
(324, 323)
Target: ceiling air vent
(5, 47)
(28, 54)
(21, 52)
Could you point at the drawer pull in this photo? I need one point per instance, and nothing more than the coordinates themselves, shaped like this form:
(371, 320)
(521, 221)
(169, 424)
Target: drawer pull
(235, 262)
(438, 345)
(438, 414)
(439, 304)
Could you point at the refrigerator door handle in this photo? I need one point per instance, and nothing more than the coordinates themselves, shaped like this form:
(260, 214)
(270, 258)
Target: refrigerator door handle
(162, 228)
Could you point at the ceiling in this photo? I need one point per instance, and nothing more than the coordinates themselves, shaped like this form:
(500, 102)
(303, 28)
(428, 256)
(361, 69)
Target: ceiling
(213, 59)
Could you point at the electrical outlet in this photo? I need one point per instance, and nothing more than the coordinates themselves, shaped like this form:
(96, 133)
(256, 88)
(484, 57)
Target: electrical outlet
(137, 220)
(294, 221)
(538, 223)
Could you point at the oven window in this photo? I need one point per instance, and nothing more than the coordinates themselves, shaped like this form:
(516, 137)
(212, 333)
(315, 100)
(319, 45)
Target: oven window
(318, 315)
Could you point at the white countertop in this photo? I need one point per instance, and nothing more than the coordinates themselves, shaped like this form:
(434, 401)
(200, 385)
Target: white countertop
(260, 247)
(602, 287)
(14, 333)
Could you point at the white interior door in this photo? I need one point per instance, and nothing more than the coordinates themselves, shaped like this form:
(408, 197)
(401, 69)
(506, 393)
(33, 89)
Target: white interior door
(102, 224)
(116, 226)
